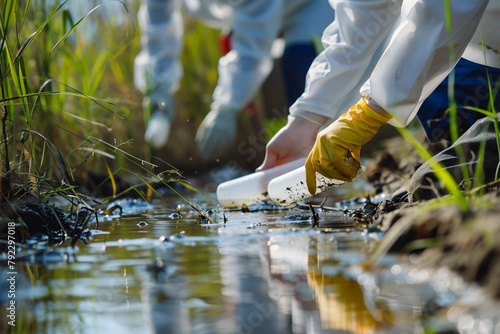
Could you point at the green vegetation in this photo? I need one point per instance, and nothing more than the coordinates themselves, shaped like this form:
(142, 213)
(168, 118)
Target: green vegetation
(47, 114)
(57, 66)
(441, 173)
(470, 197)
(69, 106)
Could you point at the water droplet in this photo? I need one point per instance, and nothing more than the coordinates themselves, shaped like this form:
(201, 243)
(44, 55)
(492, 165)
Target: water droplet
(454, 313)
(396, 269)
(486, 326)
(465, 322)
(413, 258)
(175, 215)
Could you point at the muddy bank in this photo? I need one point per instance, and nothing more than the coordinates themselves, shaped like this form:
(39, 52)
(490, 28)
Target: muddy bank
(32, 218)
(438, 231)
(466, 242)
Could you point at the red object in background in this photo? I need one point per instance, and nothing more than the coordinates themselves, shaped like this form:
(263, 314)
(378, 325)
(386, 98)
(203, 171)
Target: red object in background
(225, 43)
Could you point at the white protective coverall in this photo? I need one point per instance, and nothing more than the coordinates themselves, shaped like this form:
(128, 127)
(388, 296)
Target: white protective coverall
(409, 66)
(254, 25)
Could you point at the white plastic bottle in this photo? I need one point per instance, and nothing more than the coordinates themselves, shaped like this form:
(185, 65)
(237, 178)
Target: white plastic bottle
(252, 188)
(291, 187)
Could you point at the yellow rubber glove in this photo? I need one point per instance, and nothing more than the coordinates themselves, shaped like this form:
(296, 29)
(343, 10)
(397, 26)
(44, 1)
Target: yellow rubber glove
(336, 152)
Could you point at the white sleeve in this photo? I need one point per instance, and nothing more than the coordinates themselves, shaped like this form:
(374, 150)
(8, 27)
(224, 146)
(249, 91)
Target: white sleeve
(162, 32)
(256, 24)
(418, 57)
(487, 32)
(213, 13)
(336, 75)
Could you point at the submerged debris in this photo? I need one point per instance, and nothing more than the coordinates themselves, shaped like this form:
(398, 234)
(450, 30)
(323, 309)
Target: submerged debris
(38, 220)
(157, 268)
(370, 212)
(142, 224)
(315, 216)
(203, 218)
(174, 215)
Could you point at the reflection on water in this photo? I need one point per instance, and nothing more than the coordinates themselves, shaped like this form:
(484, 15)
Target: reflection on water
(341, 305)
(261, 272)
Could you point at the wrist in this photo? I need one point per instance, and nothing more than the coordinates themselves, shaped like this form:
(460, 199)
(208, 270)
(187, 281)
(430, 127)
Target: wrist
(372, 115)
(375, 110)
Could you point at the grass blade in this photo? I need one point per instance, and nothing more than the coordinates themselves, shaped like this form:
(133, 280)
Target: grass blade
(37, 32)
(441, 173)
(77, 24)
(451, 93)
(113, 183)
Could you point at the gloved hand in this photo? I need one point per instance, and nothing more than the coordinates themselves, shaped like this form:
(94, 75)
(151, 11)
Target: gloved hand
(293, 141)
(337, 148)
(216, 133)
(161, 106)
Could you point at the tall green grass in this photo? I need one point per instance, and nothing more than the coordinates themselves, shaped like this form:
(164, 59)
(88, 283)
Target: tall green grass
(53, 125)
(69, 105)
(28, 90)
(441, 173)
(491, 112)
(451, 93)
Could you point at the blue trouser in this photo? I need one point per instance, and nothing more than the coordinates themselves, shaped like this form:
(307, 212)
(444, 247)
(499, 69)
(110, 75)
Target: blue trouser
(296, 60)
(471, 90)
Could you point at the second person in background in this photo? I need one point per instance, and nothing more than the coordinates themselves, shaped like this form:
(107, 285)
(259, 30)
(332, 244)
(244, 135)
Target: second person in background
(254, 25)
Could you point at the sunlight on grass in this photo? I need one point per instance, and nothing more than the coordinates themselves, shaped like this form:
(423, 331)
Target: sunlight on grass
(68, 102)
(441, 173)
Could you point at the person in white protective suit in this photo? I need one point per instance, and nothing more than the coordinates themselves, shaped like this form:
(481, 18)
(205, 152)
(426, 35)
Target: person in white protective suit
(390, 53)
(254, 25)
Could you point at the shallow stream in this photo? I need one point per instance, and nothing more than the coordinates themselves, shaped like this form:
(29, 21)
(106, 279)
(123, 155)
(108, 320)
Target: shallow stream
(158, 269)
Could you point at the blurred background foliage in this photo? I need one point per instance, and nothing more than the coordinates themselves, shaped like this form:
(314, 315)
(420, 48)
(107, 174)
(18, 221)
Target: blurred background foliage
(99, 61)
(77, 63)
(95, 59)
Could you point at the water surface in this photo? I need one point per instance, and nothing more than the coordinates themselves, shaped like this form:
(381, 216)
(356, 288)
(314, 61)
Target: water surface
(156, 269)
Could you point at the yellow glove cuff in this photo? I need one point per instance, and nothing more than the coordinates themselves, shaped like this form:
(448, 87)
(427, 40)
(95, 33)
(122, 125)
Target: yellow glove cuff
(372, 113)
